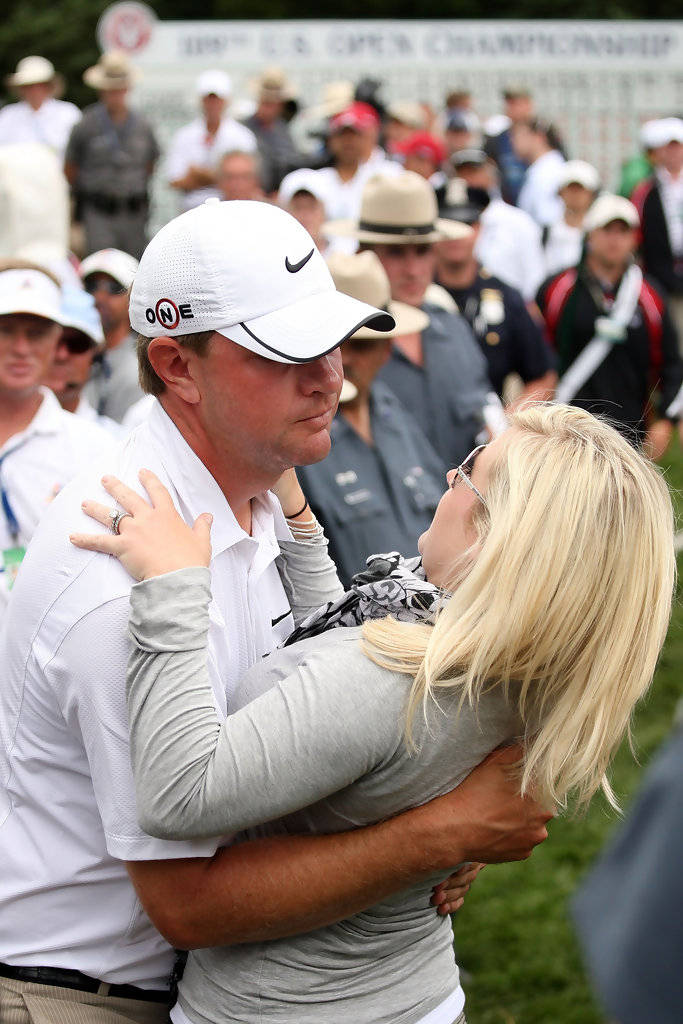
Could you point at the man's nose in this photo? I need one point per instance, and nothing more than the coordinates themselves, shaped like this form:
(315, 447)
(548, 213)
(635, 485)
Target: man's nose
(324, 374)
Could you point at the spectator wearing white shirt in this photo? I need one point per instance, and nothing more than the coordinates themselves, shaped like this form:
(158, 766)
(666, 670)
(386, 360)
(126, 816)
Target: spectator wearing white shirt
(195, 150)
(38, 116)
(41, 446)
(577, 187)
(509, 241)
(81, 342)
(538, 144)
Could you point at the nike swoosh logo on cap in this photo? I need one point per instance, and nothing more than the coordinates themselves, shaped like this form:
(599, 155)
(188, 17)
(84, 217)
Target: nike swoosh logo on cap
(294, 268)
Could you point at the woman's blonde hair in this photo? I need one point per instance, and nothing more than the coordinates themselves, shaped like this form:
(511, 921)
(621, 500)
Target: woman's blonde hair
(564, 600)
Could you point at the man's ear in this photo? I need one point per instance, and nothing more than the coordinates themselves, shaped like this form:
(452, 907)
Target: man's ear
(174, 363)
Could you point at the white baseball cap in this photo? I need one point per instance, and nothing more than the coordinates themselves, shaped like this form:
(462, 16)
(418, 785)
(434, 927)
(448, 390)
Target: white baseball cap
(580, 173)
(214, 82)
(118, 264)
(303, 180)
(660, 132)
(78, 311)
(29, 291)
(251, 272)
(607, 208)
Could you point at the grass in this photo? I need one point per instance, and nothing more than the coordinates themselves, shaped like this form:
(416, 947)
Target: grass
(513, 934)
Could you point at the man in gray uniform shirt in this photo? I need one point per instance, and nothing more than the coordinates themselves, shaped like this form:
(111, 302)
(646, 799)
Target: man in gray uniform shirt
(109, 160)
(439, 374)
(240, 323)
(378, 488)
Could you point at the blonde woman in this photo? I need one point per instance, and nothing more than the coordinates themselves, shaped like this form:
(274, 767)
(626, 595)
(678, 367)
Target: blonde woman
(549, 572)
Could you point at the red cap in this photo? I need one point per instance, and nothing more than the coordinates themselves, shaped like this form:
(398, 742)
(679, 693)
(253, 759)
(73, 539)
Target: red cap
(424, 145)
(359, 116)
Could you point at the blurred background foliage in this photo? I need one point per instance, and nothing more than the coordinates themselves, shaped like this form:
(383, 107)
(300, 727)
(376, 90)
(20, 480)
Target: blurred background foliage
(64, 30)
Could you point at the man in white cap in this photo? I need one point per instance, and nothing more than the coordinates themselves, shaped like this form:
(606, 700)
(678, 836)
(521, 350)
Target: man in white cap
(41, 446)
(108, 276)
(303, 193)
(109, 160)
(38, 116)
(606, 307)
(562, 239)
(240, 324)
(195, 150)
(81, 342)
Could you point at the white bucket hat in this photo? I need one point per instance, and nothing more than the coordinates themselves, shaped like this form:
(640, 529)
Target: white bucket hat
(607, 208)
(251, 272)
(31, 292)
(362, 276)
(118, 264)
(31, 71)
(398, 211)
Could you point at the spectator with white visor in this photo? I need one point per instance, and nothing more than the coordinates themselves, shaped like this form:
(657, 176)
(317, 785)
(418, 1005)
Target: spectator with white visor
(114, 387)
(39, 116)
(562, 239)
(610, 326)
(81, 342)
(195, 150)
(41, 446)
(439, 374)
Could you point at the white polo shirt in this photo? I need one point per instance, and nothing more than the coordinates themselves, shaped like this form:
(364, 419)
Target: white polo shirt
(34, 466)
(193, 146)
(538, 195)
(509, 246)
(50, 125)
(67, 802)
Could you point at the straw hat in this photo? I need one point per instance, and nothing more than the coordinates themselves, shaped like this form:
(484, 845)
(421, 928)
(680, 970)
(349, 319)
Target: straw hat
(273, 86)
(398, 211)
(112, 71)
(362, 276)
(33, 71)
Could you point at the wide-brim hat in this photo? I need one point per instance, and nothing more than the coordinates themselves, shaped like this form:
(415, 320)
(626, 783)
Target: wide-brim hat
(35, 70)
(272, 85)
(113, 71)
(401, 210)
(250, 272)
(362, 276)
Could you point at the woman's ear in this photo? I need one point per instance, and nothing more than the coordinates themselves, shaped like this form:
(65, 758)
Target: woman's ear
(173, 363)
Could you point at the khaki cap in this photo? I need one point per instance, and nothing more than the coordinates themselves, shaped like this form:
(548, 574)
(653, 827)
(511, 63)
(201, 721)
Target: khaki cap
(362, 276)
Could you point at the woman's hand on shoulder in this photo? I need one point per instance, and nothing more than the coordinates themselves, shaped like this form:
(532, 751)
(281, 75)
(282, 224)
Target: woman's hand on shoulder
(152, 537)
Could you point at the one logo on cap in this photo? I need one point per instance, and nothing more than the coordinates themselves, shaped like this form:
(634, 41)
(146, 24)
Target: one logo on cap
(168, 315)
(294, 268)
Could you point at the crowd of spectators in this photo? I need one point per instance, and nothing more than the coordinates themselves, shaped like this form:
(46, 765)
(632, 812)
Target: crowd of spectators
(512, 257)
(512, 271)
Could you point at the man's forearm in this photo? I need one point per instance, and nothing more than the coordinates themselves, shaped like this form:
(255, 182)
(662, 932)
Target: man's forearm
(270, 888)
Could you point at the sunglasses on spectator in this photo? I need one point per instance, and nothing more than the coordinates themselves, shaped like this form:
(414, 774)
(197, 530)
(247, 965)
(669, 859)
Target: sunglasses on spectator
(93, 284)
(464, 471)
(77, 342)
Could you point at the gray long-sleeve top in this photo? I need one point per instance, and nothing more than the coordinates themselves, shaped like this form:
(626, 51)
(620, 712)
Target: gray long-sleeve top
(315, 745)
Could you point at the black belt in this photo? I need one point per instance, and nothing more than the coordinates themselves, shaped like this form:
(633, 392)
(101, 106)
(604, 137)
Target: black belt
(115, 204)
(62, 978)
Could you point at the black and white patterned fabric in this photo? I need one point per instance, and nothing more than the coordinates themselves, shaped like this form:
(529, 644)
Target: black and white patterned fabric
(390, 585)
